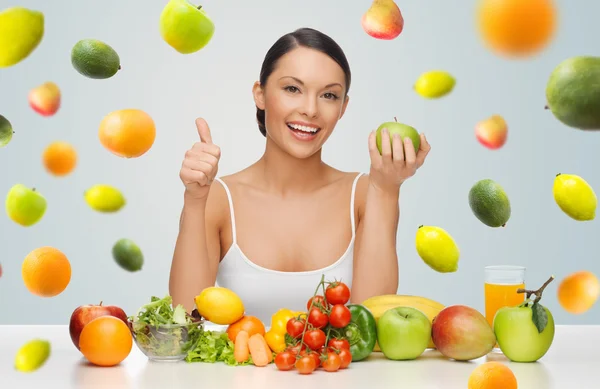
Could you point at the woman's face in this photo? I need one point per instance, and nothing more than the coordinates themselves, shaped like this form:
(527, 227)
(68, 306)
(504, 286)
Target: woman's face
(303, 99)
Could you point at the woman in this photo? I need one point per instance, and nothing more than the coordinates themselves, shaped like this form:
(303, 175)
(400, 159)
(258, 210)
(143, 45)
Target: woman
(269, 231)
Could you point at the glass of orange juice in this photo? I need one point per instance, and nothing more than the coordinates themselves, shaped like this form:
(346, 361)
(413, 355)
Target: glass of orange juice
(500, 288)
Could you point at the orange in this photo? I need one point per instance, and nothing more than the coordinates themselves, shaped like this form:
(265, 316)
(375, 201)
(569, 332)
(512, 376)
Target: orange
(251, 324)
(127, 133)
(517, 28)
(59, 158)
(492, 375)
(578, 292)
(46, 271)
(105, 341)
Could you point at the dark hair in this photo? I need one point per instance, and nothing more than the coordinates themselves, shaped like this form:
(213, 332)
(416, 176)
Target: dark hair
(302, 37)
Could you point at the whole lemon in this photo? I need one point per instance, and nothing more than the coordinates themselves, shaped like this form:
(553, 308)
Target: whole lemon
(104, 198)
(437, 249)
(21, 31)
(219, 305)
(575, 197)
(32, 355)
(434, 84)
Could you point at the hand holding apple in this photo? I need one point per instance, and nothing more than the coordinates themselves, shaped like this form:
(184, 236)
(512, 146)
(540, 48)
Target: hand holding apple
(83, 314)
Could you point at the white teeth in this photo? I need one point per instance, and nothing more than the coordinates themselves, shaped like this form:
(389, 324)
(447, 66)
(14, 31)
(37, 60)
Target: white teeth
(303, 128)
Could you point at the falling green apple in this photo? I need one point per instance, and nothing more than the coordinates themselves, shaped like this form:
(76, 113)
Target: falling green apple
(185, 27)
(24, 205)
(525, 332)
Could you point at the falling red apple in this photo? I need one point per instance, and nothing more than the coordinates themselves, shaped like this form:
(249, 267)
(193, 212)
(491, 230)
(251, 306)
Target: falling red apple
(492, 132)
(83, 314)
(45, 99)
(383, 20)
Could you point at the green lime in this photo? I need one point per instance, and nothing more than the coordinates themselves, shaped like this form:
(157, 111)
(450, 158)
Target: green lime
(128, 255)
(6, 131)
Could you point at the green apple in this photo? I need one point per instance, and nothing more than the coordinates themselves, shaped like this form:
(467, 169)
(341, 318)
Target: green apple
(6, 131)
(403, 333)
(401, 129)
(185, 27)
(24, 205)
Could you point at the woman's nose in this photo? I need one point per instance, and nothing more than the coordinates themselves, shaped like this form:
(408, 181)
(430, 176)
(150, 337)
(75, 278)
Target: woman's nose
(310, 107)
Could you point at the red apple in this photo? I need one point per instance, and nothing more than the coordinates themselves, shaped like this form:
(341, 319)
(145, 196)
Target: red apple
(383, 20)
(86, 313)
(462, 333)
(45, 99)
(492, 132)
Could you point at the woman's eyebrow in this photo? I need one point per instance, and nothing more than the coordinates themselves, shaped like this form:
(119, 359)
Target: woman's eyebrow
(299, 81)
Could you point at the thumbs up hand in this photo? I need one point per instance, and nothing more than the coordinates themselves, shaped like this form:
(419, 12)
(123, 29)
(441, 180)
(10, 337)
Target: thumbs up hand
(200, 164)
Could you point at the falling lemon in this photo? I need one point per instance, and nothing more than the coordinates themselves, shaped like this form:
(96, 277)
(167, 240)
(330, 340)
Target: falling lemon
(434, 84)
(437, 249)
(104, 198)
(32, 355)
(575, 197)
(21, 31)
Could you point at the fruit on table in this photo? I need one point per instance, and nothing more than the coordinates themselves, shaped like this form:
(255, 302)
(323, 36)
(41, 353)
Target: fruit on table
(104, 198)
(32, 355)
(248, 323)
(6, 131)
(378, 305)
(128, 255)
(21, 31)
(575, 197)
(508, 29)
(84, 314)
(105, 341)
(462, 333)
(434, 84)
(275, 336)
(361, 332)
(127, 133)
(492, 375)
(45, 99)
(403, 333)
(46, 271)
(401, 129)
(59, 158)
(185, 27)
(437, 249)
(490, 203)
(572, 93)
(25, 206)
(383, 20)
(525, 332)
(95, 59)
(492, 132)
(219, 305)
(578, 292)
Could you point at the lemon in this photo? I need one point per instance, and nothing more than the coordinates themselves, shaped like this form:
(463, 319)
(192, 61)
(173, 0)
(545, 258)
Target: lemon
(21, 31)
(437, 249)
(104, 198)
(434, 84)
(219, 305)
(32, 355)
(575, 197)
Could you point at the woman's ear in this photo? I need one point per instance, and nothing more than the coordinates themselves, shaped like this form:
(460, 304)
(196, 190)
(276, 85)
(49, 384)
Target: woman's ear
(259, 96)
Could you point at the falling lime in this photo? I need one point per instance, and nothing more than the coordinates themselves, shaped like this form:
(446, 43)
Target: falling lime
(6, 131)
(32, 355)
(128, 255)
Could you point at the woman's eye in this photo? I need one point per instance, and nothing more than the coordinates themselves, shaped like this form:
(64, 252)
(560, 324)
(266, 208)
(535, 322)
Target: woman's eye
(292, 89)
(331, 96)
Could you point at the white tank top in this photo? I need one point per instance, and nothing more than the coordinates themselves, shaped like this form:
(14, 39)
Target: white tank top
(265, 291)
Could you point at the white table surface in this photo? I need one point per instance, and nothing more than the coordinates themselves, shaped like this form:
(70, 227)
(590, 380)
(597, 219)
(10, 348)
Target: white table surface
(573, 362)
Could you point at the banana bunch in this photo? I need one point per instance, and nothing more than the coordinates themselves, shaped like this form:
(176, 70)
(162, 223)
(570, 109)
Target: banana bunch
(379, 304)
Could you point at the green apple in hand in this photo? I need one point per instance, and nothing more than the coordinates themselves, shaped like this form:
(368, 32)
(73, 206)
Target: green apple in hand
(24, 205)
(403, 333)
(185, 27)
(401, 129)
(525, 332)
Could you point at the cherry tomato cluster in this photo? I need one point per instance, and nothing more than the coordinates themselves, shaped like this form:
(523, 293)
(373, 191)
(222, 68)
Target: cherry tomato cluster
(315, 339)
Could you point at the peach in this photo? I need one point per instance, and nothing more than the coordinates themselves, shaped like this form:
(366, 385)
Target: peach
(383, 20)
(492, 132)
(45, 99)
(578, 292)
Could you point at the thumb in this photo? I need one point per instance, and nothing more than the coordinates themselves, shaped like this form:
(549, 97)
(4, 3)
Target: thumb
(203, 130)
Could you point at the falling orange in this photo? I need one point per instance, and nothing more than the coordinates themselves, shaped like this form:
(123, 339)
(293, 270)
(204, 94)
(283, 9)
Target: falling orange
(59, 158)
(127, 133)
(105, 341)
(46, 271)
(578, 292)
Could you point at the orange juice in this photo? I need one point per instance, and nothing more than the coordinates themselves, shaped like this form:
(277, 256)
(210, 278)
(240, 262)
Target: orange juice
(501, 295)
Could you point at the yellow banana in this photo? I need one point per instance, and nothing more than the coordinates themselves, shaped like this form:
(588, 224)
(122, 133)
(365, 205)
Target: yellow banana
(378, 305)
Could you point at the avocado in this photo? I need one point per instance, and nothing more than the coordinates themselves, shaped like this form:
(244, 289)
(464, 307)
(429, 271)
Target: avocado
(128, 255)
(489, 203)
(95, 59)
(573, 92)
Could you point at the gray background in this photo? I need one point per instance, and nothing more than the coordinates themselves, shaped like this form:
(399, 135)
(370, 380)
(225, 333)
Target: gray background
(216, 83)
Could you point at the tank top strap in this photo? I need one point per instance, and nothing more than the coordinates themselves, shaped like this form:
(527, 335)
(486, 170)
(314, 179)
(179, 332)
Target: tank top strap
(230, 200)
(352, 195)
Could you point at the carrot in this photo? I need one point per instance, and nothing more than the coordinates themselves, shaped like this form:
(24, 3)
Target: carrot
(241, 352)
(260, 351)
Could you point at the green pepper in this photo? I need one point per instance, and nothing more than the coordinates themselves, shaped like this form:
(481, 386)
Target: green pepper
(361, 332)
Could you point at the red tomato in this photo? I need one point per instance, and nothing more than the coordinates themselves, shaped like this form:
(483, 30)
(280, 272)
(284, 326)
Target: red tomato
(285, 360)
(345, 358)
(315, 338)
(332, 363)
(339, 343)
(305, 365)
(313, 354)
(340, 316)
(337, 293)
(318, 300)
(296, 349)
(318, 318)
(295, 327)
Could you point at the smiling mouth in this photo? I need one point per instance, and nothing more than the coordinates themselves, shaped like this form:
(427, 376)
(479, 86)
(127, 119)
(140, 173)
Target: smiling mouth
(303, 129)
